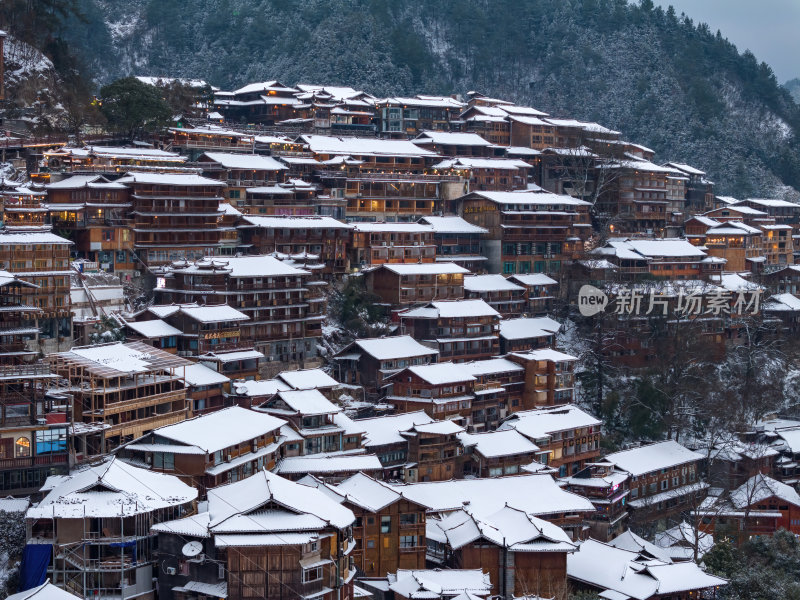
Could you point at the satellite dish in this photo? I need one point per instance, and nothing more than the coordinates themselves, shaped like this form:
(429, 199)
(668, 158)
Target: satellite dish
(192, 549)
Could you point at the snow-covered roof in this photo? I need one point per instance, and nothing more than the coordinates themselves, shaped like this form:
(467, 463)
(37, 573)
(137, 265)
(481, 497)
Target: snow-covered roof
(46, 591)
(446, 138)
(221, 429)
(264, 488)
(296, 222)
(782, 303)
(32, 237)
(439, 583)
(244, 266)
(495, 444)
(262, 387)
(111, 489)
(217, 313)
(759, 488)
(308, 402)
(534, 279)
(175, 179)
(199, 375)
(508, 528)
(248, 162)
(231, 356)
(154, 328)
(531, 198)
(490, 366)
(366, 492)
(627, 540)
(425, 269)
(653, 457)
(354, 146)
(733, 228)
(264, 86)
(534, 494)
(541, 422)
(468, 163)
(634, 249)
(452, 225)
(547, 354)
(119, 358)
(390, 227)
(608, 568)
(391, 348)
(441, 373)
(490, 283)
(679, 542)
(14, 505)
(329, 463)
(773, 203)
(381, 431)
(685, 168)
(306, 379)
(447, 309)
(528, 327)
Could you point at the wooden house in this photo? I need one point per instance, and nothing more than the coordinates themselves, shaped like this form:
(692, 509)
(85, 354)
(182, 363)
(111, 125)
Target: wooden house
(322, 239)
(34, 434)
(459, 329)
(529, 232)
(524, 554)
(400, 285)
(664, 479)
(196, 140)
(265, 103)
(540, 291)
(600, 568)
(120, 391)
(241, 171)
(608, 489)
(454, 143)
(569, 436)
(210, 450)
(487, 174)
(496, 453)
(175, 216)
(457, 241)
(285, 306)
(549, 377)
(760, 506)
(40, 257)
(94, 213)
(375, 244)
(527, 333)
(369, 362)
(442, 390)
(389, 530)
(398, 117)
(503, 295)
(498, 389)
(262, 534)
(99, 548)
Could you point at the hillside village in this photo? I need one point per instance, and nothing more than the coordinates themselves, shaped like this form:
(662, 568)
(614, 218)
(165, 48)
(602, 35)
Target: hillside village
(306, 342)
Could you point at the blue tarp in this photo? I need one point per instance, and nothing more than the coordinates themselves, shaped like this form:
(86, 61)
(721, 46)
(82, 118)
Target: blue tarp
(33, 571)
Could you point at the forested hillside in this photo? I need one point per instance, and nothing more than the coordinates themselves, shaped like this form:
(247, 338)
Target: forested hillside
(662, 80)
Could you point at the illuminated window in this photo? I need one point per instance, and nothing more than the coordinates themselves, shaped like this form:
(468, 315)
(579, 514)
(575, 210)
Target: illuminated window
(22, 447)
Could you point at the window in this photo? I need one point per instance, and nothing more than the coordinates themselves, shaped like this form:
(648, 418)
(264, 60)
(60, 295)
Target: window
(386, 524)
(370, 543)
(495, 471)
(408, 519)
(664, 484)
(51, 440)
(163, 460)
(313, 574)
(22, 447)
(408, 541)
(508, 268)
